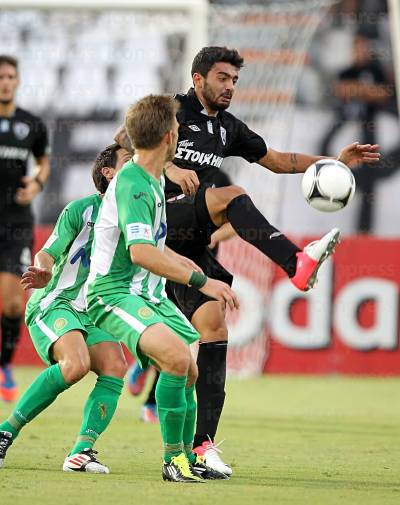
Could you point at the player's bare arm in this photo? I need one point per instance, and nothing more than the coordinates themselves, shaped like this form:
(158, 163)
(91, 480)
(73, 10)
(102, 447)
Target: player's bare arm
(296, 163)
(225, 232)
(38, 275)
(33, 185)
(160, 263)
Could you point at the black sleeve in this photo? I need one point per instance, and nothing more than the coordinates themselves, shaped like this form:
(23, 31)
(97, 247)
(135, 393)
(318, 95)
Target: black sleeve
(379, 73)
(41, 140)
(346, 74)
(247, 144)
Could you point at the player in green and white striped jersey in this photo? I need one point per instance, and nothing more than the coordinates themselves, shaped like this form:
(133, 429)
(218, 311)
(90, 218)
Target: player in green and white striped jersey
(126, 295)
(63, 334)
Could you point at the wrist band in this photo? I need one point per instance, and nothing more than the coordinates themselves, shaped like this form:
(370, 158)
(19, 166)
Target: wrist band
(41, 184)
(197, 280)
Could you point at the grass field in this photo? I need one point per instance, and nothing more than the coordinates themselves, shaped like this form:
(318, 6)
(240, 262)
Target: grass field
(291, 440)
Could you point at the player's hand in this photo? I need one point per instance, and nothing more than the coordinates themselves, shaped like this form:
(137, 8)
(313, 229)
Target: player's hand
(122, 139)
(359, 153)
(35, 278)
(186, 179)
(25, 195)
(221, 292)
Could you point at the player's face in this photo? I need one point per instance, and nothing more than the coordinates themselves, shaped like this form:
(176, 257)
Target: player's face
(218, 87)
(122, 157)
(170, 155)
(8, 83)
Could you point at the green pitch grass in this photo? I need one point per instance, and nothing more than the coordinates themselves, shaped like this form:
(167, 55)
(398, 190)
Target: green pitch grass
(291, 440)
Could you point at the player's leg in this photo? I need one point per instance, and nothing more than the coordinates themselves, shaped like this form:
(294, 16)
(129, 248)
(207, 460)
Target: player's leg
(209, 321)
(108, 362)
(232, 204)
(15, 257)
(12, 299)
(69, 361)
(136, 379)
(145, 335)
(172, 357)
(197, 461)
(148, 411)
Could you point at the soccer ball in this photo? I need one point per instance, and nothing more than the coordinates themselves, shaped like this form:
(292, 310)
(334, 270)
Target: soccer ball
(328, 185)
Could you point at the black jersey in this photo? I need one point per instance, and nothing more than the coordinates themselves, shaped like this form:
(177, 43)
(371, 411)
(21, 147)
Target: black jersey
(20, 135)
(204, 141)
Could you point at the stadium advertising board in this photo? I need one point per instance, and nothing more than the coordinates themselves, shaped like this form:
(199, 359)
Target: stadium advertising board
(348, 324)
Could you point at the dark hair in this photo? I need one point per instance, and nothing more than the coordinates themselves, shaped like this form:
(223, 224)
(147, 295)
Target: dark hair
(149, 119)
(5, 59)
(208, 56)
(107, 158)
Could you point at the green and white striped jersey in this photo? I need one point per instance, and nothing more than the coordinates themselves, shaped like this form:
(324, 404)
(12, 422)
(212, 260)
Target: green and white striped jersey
(132, 212)
(70, 245)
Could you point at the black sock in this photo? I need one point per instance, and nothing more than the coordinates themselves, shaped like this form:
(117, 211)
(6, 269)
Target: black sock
(251, 226)
(151, 397)
(210, 389)
(10, 327)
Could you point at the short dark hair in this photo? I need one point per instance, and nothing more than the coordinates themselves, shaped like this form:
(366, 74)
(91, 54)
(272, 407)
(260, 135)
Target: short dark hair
(208, 56)
(149, 119)
(6, 59)
(106, 158)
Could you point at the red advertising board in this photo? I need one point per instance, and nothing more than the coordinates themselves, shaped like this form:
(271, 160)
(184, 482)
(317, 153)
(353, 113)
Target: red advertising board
(348, 324)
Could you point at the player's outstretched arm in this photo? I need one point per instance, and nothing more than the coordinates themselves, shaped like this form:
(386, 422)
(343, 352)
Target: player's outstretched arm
(296, 163)
(162, 264)
(38, 275)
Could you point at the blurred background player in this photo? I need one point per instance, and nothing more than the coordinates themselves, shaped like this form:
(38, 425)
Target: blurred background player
(362, 91)
(64, 336)
(21, 134)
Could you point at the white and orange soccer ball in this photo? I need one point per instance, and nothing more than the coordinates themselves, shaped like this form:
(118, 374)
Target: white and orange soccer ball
(328, 185)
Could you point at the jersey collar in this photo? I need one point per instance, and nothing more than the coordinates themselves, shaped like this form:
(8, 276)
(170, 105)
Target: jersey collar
(196, 104)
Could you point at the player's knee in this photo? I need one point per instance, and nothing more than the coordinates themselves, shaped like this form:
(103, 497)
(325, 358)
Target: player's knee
(214, 334)
(177, 361)
(235, 191)
(74, 369)
(117, 368)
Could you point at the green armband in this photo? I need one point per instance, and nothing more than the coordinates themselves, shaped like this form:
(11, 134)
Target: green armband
(197, 280)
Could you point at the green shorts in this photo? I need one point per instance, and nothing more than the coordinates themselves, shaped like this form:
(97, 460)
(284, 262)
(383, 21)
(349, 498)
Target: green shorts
(46, 327)
(127, 316)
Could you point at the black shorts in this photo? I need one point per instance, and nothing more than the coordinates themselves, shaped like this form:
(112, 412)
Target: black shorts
(15, 247)
(189, 231)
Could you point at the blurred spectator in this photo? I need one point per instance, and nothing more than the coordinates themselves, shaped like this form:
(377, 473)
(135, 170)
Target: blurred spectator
(361, 90)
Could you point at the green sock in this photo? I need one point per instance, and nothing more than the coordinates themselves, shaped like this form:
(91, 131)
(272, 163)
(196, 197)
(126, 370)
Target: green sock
(98, 411)
(190, 424)
(40, 394)
(171, 406)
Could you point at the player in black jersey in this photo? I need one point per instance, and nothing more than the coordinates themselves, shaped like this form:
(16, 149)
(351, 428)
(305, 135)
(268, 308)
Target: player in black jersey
(21, 134)
(208, 134)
